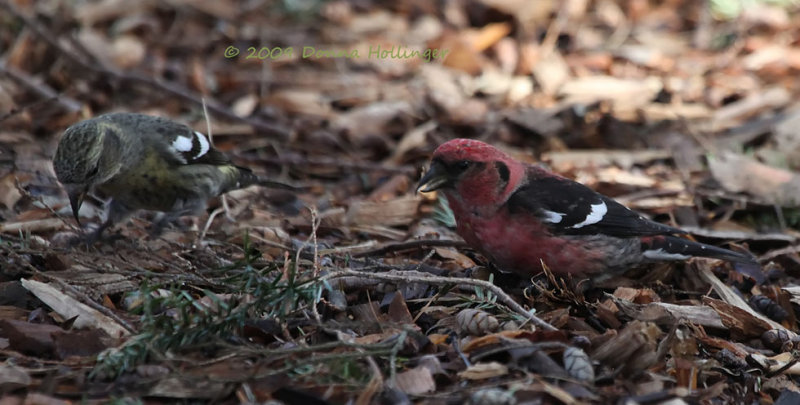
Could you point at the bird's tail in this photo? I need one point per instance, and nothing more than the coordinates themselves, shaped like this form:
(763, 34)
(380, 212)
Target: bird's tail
(675, 248)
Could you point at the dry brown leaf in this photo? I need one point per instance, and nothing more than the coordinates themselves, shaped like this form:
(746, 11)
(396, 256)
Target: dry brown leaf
(416, 138)
(763, 99)
(737, 173)
(398, 311)
(623, 92)
(399, 211)
(462, 56)
(13, 377)
(128, 51)
(565, 161)
(483, 371)
(461, 260)
(371, 119)
(551, 72)
(488, 35)
(9, 193)
(245, 105)
(416, 381)
(493, 339)
(90, 13)
(774, 16)
(637, 295)
(305, 102)
(98, 43)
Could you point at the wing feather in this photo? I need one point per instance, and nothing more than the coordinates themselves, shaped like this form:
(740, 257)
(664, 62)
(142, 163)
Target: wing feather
(571, 208)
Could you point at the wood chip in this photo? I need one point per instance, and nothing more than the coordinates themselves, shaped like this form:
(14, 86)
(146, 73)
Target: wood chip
(69, 307)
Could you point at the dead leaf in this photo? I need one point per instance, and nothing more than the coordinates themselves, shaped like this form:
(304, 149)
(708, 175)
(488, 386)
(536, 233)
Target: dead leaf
(483, 371)
(9, 194)
(416, 381)
(13, 377)
(399, 211)
(303, 102)
(771, 185)
(127, 51)
(245, 105)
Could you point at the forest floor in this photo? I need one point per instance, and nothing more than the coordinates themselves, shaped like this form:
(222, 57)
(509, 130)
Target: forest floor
(357, 289)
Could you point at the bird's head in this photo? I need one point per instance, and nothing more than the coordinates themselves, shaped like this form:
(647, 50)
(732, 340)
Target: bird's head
(87, 155)
(472, 169)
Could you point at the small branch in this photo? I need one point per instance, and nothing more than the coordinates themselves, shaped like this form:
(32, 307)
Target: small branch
(414, 244)
(418, 277)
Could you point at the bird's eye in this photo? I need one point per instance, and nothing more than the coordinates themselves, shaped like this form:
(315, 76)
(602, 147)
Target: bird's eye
(462, 165)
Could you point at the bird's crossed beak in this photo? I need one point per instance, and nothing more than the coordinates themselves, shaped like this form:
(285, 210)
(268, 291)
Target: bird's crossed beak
(76, 196)
(435, 178)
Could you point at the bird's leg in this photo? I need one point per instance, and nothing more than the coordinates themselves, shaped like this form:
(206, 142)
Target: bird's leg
(188, 208)
(163, 220)
(116, 212)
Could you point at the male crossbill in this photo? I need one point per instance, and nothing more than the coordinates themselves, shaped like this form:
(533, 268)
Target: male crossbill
(520, 215)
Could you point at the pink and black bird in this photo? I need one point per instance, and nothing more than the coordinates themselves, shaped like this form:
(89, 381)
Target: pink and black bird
(520, 215)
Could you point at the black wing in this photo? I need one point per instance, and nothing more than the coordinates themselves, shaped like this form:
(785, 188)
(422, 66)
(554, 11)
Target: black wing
(571, 208)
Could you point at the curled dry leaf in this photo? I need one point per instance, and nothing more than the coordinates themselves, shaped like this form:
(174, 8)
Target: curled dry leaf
(578, 364)
(476, 322)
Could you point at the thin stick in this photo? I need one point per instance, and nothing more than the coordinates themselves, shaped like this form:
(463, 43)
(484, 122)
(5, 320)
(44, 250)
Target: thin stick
(414, 244)
(419, 277)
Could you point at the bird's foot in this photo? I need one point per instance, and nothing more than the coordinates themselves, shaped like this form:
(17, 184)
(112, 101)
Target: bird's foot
(88, 239)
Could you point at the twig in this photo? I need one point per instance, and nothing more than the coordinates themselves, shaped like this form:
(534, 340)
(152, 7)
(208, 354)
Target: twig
(414, 244)
(401, 340)
(554, 30)
(418, 277)
(40, 200)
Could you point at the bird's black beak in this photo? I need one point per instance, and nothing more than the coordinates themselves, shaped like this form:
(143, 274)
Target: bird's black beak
(76, 196)
(435, 178)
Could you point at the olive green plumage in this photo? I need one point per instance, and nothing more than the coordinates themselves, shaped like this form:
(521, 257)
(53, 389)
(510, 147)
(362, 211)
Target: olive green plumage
(143, 162)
